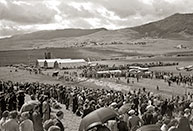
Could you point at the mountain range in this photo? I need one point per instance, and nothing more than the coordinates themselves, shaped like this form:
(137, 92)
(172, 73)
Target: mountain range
(177, 26)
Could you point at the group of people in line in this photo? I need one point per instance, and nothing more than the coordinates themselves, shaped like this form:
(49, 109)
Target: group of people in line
(170, 114)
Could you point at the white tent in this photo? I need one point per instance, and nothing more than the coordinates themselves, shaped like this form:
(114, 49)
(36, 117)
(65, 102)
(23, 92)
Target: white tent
(40, 62)
(49, 63)
(72, 63)
(61, 63)
(109, 72)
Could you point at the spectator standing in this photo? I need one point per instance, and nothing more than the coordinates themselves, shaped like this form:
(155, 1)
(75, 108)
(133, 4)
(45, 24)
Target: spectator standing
(46, 109)
(122, 125)
(57, 121)
(37, 119)
(134, 121)
(12, 123)
(184, 124)
(26, 124)
(3, 119)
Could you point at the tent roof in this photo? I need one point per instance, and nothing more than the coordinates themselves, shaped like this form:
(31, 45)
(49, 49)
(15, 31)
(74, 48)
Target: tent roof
(110, 71)
(62, 60)
(48, 60)
(71, 61)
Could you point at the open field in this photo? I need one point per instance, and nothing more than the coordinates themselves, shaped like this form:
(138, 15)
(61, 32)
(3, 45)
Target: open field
(71, 121)
(122, 54)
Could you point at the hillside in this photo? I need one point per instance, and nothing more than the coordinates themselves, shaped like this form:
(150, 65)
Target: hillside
(72, 37)
(53, 34)
(175, 26)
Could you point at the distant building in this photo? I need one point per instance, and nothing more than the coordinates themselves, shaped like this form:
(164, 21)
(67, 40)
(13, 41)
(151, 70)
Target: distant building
(73, 63)
(46, 63)
(60, 63)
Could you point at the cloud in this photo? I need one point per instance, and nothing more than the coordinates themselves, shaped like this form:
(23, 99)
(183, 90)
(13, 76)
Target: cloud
(31, 15)
(25, 12)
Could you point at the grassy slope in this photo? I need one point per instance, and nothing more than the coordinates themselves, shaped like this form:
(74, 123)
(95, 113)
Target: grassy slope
(178, 26)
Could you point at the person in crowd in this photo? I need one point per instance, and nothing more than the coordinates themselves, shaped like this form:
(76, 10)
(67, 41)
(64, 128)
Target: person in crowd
(148, 117)
(21, 99)
(12, 101)
(165, 126)
(134, 121)
(184, 123)
(37, 119)
(74, 103)
(112, 124)
(3, 119)
(121, 124)
(47, 124)
(67, 100)
(173, 125)
(46, 110)
(26, 124)
(12, 123)
(86, 110)
(2, 103)
(57, 121)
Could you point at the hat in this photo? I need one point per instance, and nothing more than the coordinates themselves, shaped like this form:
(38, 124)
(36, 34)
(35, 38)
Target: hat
(121, 117)
(54, 128)
(150, 108)
(59, 113)
(13, 114)
(131, 112)
(25, 115)
(187, 110)
(166, 121)
(5, 114)
(113, 104)
(47, 124)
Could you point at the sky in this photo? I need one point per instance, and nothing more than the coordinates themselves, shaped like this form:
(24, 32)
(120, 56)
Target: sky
(24, 16)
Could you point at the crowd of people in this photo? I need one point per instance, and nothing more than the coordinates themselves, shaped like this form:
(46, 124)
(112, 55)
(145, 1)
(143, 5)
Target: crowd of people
(126, 72)
(145, 107)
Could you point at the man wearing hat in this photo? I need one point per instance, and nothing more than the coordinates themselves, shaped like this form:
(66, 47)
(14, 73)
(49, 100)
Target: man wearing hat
(46, 109)
(148, 116)
(184, 123)
(134, 121)
(122, 125)
(54, 128)
(57, 121)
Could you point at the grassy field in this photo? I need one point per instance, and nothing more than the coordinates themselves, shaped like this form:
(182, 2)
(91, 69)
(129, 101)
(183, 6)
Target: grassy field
(107, 54)
(30, 56)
